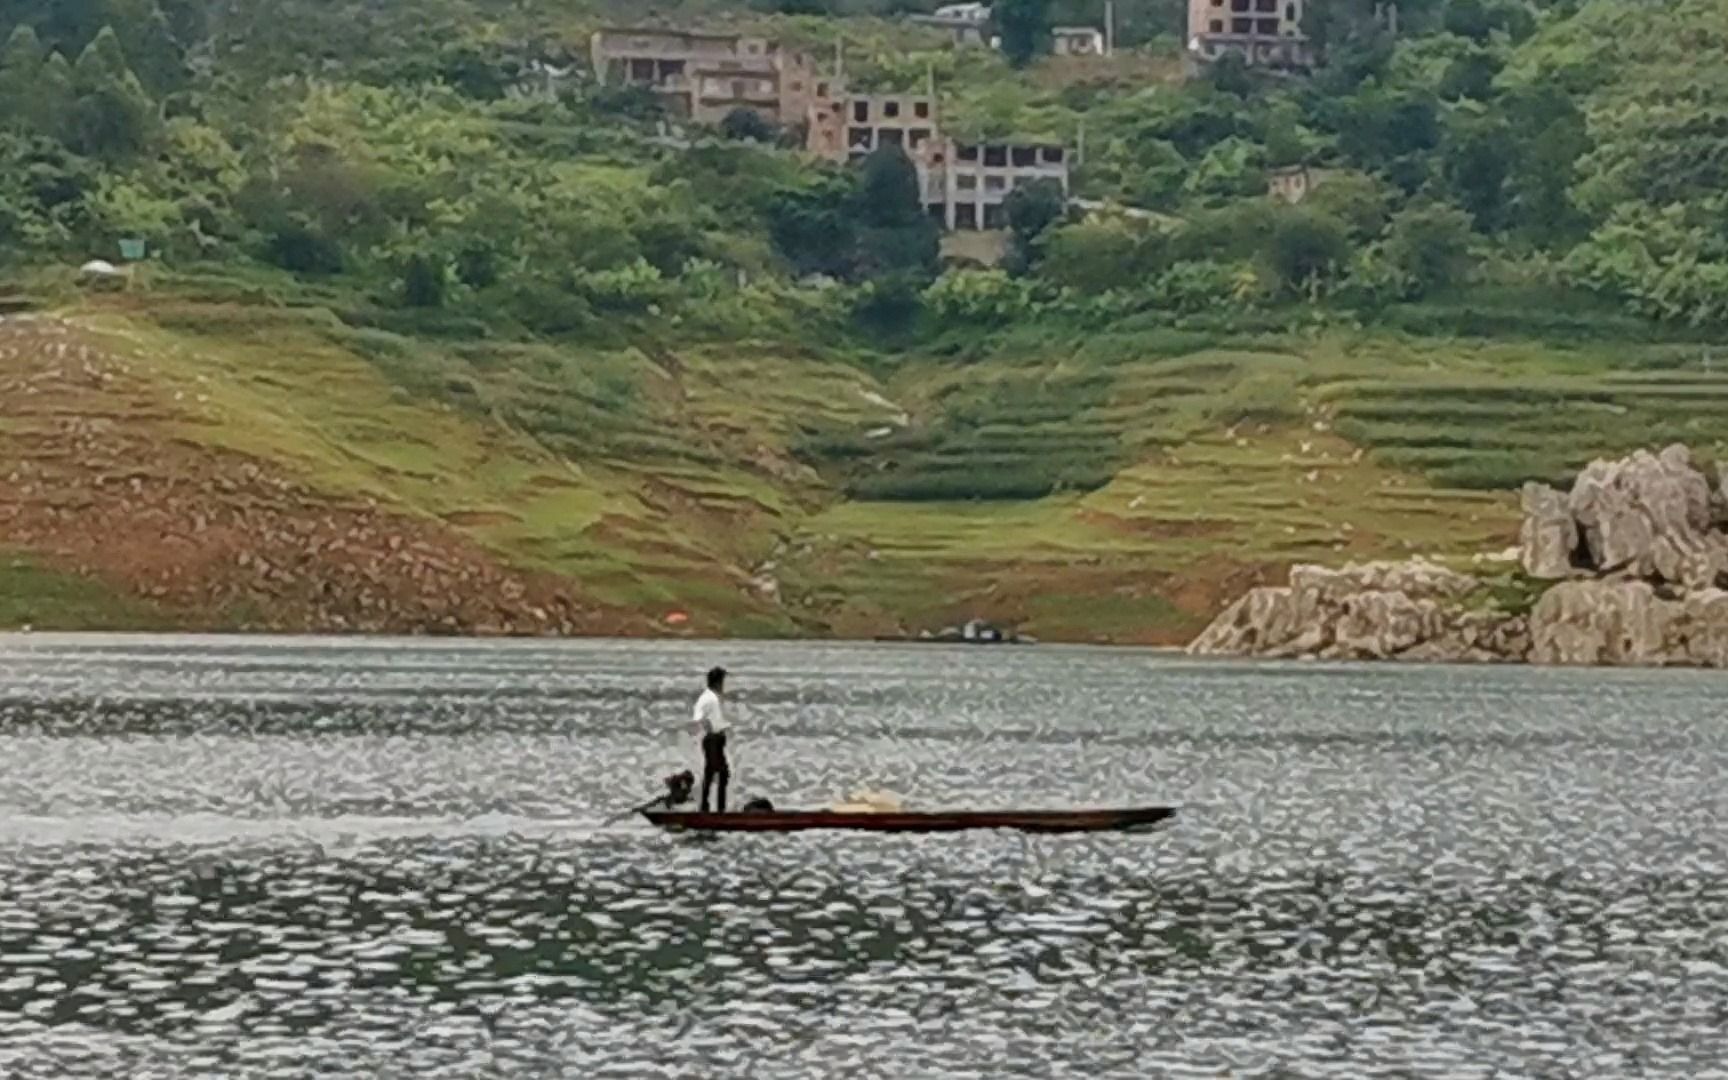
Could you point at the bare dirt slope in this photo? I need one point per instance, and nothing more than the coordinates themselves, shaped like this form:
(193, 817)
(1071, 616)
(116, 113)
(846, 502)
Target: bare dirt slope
(94, 481)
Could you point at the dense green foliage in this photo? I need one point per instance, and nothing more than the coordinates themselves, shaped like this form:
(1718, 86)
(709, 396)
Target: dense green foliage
(414, 159)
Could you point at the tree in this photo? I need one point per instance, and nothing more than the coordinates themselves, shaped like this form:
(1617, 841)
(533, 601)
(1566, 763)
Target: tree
(1306, 248)
(1428, 244)
(1032, 208)
(747, 125)
(71, 24)
(423, 282)
(1550, 136)
(20, 78)
(1025, 29)
(1357, 199)
(1479, 152)
(150, 48)
(1096, 256)
(812, 226)
(56, 97)
(895, 233)
(113, 116)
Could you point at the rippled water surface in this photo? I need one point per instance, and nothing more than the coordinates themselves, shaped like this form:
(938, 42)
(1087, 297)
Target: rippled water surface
(264, 858)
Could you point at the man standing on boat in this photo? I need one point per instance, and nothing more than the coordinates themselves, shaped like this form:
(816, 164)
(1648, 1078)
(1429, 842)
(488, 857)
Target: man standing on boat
(711, 723)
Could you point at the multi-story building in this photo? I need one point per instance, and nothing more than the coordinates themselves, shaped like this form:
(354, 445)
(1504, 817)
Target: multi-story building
(1265, 33)
(850, 126)
(975, 180)
(965, 185)
(703, 77)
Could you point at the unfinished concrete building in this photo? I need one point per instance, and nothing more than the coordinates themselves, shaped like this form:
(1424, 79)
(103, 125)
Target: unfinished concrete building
(1264, 33)
(703, 77)
(975, 180)
(849, 126)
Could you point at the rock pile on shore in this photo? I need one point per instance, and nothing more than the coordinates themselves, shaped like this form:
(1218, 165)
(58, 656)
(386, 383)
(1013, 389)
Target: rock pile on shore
(1629, 567)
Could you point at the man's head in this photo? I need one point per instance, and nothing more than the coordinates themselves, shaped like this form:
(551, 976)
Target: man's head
(717, 679)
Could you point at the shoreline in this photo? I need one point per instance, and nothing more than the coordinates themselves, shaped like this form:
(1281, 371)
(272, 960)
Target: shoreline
(383, 641)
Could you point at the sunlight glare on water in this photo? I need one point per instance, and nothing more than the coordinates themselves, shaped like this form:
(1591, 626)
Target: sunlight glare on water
(287, 858)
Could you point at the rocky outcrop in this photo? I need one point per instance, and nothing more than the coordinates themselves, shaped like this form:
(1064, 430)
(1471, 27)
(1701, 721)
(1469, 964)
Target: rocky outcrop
(1372, 611)
(1548, 539)
(1650, 515)
(1631, 566)
(1629, 622)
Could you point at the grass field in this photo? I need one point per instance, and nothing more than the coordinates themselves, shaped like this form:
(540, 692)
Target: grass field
(1119, 486)
(42, 599)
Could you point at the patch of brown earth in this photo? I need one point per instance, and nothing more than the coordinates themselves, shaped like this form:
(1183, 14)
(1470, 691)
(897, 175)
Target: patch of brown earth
(1150, 526)
(481, 519)
(90, 482)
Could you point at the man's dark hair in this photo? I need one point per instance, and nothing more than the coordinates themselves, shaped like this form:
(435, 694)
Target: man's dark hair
(716, 676)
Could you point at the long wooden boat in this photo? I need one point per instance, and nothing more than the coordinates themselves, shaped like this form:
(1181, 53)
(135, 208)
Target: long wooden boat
(1033, 821)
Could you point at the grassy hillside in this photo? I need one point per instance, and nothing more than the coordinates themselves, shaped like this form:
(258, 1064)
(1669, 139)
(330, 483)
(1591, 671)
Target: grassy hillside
(767, 489)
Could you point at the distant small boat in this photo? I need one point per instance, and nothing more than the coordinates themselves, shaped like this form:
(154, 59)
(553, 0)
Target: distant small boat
(1032, 821)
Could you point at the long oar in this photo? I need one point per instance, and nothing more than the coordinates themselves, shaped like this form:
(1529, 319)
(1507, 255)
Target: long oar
(677, 790)
(633, 811)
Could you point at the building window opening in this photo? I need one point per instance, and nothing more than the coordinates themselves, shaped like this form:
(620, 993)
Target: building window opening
(921, 109)
(995, 157)
(1025, 157)
(968, 153)
(861, 111)
(1269, 26)
(890, 109)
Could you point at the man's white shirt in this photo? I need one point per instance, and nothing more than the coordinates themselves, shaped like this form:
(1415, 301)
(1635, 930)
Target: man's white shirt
(707, 714)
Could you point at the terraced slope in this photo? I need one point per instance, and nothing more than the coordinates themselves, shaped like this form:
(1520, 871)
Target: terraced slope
(273, 467)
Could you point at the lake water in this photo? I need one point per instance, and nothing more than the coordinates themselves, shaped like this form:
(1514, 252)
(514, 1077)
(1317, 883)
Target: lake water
(291, 858)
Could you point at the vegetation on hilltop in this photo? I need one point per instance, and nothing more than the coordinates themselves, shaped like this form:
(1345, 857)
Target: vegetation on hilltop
(1503, 141)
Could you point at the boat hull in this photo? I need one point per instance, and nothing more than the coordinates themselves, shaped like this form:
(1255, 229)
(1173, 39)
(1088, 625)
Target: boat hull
(1032, 821)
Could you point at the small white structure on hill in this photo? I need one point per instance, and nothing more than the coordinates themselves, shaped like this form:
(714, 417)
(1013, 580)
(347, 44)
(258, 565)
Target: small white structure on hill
(964, 23)
(1078, 41)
